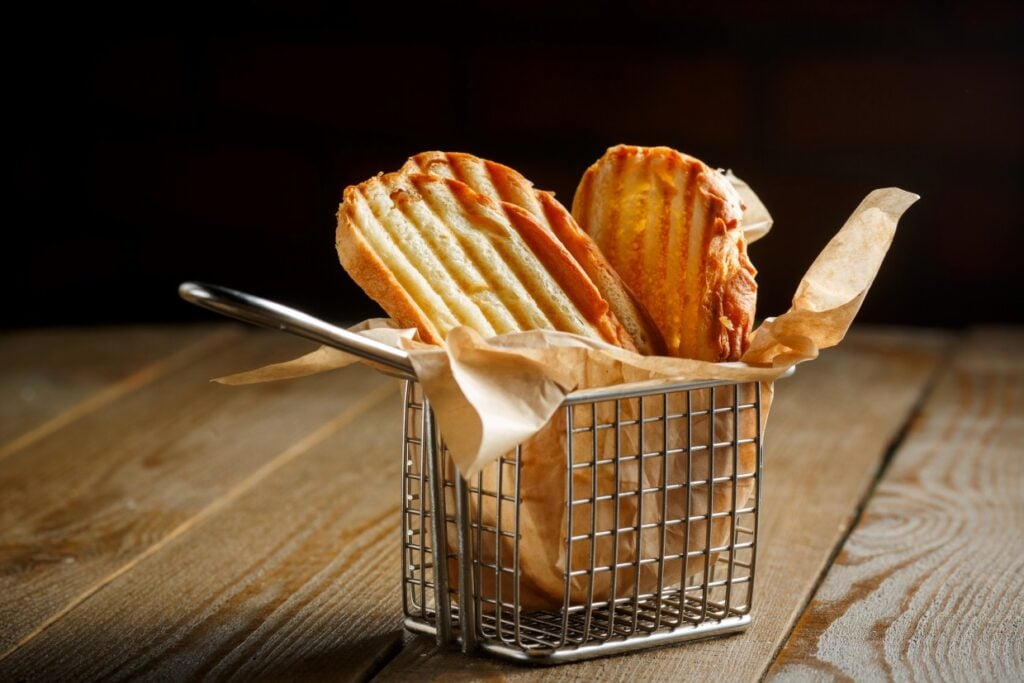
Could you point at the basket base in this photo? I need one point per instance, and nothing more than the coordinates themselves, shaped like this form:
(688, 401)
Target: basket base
(543, 656)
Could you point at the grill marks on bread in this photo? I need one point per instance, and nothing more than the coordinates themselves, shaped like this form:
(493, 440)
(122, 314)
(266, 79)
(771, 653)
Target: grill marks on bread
(671, 227)
(435, 254)
(512, 191)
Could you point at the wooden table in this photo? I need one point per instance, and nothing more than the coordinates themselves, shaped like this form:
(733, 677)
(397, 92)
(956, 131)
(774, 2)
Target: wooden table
(155, 525)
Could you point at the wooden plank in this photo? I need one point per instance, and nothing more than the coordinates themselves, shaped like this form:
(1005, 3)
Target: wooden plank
(930, 584)
(87, 501)
(829, 431)
(48, 378)
(296, 574)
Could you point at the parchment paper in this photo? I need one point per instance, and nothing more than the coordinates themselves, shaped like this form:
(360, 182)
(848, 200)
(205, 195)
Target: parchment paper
(491, 395)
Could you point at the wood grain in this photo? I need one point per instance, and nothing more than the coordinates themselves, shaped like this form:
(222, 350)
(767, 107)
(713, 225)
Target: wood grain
(930, 584)
(830, 429)
(48, 378)
(83, 503)
(296, 574)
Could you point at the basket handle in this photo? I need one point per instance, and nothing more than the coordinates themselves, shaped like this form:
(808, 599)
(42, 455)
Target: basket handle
(258, 311)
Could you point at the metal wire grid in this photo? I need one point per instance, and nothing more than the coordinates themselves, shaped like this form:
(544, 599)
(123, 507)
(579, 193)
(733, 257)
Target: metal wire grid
(419, 500)
(645, 559)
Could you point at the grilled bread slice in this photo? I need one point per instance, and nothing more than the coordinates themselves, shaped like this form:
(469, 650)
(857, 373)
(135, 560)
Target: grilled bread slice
(436, 255)
(672, 229)
(508, 187)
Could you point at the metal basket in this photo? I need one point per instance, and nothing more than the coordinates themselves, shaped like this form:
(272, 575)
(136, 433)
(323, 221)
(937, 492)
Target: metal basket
(629, 521)
(657, 492)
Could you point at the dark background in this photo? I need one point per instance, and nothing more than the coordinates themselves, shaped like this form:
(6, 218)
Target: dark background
(150, 146)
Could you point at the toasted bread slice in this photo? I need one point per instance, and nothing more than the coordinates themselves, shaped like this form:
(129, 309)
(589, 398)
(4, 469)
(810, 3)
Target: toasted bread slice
(672, 229)
(508, 186)
(436, 255)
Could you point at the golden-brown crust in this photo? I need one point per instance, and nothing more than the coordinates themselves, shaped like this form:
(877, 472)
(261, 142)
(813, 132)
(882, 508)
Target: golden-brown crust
(671, 227)
(509, 187)
(621, 299)
(459, 222)
(568, 273)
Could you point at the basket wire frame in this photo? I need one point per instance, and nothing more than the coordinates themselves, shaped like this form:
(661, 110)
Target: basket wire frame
(636, 571)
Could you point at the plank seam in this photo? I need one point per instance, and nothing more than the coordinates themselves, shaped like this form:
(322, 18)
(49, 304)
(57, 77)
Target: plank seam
(126, 385)
(277, 462)
(890, 453)
(385, 658)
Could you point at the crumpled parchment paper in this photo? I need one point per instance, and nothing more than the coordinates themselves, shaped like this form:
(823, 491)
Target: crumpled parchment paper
(489, 395)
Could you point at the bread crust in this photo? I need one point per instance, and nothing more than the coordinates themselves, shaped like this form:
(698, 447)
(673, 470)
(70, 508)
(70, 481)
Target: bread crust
(621, 299)
(508, 187)
(456, 225)
(672, 229)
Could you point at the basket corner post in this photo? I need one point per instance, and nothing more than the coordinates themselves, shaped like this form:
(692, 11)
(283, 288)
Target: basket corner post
(446, 617)
(467, 604)
(438, 527)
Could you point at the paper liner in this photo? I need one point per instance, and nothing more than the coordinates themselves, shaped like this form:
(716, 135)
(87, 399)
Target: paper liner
(756, 219)
(490, 395)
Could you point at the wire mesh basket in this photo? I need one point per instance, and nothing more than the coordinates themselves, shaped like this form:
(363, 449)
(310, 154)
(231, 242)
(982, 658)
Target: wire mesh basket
(629, 522)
